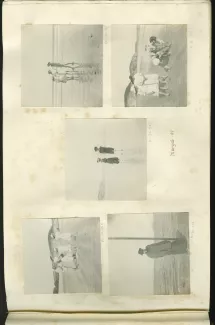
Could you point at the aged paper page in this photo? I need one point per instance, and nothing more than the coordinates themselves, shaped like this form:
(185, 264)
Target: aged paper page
(106, 155)
(198, 318)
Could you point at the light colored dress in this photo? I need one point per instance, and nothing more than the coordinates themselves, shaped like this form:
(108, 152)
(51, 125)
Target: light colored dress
(151, 79)
(64, 249)
(147, 84)
(148, 90)
(138, 79)
(60, 269)
(63, 235)
(68, 261)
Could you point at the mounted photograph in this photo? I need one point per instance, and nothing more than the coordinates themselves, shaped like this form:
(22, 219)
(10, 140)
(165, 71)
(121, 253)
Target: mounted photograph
(61, 65)
(106, 159)
(149, 254)
(62, 256)
(151, 71)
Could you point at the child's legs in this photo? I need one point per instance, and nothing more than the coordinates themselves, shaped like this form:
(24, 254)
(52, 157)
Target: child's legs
(163, 93)
(163, 78)
(162, 89)
(163, 82)
(67, 258)
(163, 86)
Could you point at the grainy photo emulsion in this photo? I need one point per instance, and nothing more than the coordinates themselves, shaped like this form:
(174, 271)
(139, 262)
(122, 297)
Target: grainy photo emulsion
(154, 254)
(106, 159)
(62, 65)
(62, 255)
(151, 70)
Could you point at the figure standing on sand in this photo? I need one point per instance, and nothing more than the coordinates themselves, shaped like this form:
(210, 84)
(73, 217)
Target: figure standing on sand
(165, 248)
(63, 79)
(72, 65)
(112, 160)
(82, 72)
(109, 151)
(106, 150)
(115, 160)
(63, 75)
(65, 251)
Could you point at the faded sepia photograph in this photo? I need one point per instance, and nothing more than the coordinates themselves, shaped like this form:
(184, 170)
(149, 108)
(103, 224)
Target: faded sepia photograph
(151, 70)
(149, 254)
(62, 65)
(106, 159)
(62, 256)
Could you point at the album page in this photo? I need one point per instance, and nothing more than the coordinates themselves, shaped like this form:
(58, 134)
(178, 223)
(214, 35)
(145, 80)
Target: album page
(176, 318)
(106, 156)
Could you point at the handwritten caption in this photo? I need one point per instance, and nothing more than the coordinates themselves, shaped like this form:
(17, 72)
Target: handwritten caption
(106, 34)
(172, 143)
(149, 132)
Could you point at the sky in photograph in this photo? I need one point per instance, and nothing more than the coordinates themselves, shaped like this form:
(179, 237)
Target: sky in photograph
(60, 44)
(38, 275)
(36, 53)
(123, 48)
(130, 273)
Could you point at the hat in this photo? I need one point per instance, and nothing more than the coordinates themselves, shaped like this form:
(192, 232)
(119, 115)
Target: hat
(156, 61)
(152, 38)
(141, 251)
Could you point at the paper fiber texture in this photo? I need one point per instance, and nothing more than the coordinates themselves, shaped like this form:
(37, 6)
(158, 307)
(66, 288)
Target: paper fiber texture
(106, 155)
(156, 318)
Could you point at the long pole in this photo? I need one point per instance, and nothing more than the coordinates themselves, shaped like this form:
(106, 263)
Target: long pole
(141, 238)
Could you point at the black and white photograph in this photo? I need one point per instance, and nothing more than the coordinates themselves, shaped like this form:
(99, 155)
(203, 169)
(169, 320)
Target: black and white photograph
(62, 255)
(62, 65)
(106, 159)
(149, 254)
(151, 70)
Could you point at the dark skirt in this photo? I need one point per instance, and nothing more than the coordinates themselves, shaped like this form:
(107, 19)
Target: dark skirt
(179, 246)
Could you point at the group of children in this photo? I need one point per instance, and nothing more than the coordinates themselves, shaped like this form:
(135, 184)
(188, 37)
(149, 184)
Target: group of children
(152, 84)
(159, 52)
(65, 252)
(62, 73)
